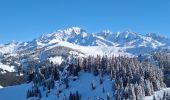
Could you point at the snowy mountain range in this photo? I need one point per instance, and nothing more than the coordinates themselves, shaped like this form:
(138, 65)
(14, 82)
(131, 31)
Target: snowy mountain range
(80, 37)
(58, 46)
(80, 42)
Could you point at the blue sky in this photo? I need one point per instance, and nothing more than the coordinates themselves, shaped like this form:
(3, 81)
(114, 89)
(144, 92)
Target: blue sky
(24, 20)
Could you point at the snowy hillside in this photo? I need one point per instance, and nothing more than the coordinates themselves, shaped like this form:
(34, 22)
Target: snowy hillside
(81, 85)
(101, 91)
(14, 92)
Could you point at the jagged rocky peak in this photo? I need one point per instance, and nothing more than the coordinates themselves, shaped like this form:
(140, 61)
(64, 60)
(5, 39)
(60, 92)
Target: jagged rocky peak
(126, 35)
(13, 42)
(9, 48)
(105, 33)
(155, 36)
(72, 31)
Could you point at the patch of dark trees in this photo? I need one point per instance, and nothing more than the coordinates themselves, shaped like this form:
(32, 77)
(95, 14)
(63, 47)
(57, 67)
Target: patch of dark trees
(10, 79)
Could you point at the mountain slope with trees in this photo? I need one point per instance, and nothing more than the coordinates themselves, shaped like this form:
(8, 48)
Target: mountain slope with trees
(72, 64)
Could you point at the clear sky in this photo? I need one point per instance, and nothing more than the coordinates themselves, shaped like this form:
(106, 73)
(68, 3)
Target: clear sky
(24, 20)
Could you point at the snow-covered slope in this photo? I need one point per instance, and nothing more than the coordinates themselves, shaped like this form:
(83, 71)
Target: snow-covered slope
(14, 92)
(158, 94)
(81, 85)
(6, 68)
(97, 50)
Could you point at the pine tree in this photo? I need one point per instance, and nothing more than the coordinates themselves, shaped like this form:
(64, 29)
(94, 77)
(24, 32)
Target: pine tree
(71, 96)
(77, 95)
(28, 94)
(93, 85)
(108, 97)
(154, 98)
(103, 90)
(66, 82)
(85, 64)
(101, 80)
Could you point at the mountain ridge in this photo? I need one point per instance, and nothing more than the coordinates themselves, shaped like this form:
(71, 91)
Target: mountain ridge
(78, 36)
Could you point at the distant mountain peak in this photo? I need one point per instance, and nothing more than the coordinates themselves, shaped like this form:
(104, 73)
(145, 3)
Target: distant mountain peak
(155, 35)
(71, 31)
